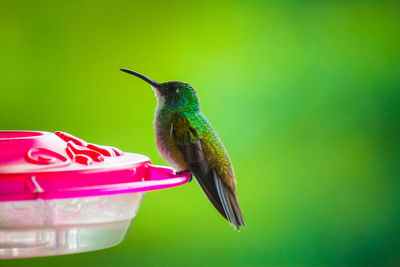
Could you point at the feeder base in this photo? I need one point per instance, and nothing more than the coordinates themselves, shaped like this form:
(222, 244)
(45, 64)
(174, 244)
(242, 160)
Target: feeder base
(18, 243)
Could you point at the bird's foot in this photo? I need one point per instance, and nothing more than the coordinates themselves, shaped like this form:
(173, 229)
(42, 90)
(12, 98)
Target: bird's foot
(183, 171)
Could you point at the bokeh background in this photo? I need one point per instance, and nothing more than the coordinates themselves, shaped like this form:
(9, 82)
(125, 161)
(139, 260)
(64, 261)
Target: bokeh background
(304, 94)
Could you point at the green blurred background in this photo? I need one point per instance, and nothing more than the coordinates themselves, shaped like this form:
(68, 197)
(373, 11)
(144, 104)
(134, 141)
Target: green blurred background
(305, 96)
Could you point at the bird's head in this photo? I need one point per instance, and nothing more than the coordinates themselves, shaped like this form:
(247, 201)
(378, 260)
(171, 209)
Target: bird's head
(173, 93)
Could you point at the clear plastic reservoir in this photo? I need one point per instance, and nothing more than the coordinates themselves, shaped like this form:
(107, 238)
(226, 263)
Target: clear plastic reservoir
(39, 227)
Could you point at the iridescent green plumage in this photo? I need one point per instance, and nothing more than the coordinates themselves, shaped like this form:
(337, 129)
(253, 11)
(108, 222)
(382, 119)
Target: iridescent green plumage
(187, 141)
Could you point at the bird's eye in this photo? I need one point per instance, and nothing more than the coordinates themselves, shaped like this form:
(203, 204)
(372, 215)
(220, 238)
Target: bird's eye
(174, 89)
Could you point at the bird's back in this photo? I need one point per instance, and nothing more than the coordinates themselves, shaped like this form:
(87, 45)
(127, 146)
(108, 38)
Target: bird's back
(214, 150)
(187, 141)
(212, 146)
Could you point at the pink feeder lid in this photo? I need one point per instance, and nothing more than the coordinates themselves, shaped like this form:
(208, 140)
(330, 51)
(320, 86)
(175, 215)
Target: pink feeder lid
(43, 165)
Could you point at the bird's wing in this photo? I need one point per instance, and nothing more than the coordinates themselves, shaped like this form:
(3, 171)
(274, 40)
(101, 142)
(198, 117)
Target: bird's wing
(190, 139)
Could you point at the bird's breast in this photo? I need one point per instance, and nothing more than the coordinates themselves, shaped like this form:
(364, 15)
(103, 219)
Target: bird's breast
(165, 143)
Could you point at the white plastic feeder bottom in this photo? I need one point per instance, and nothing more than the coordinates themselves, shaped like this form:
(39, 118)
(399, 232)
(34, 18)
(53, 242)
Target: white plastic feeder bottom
(62, 226)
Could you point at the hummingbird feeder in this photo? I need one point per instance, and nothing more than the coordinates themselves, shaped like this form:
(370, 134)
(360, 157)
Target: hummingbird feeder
(61, 195)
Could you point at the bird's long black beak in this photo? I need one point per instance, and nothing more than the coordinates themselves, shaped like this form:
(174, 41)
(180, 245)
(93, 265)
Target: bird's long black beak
(141, 76)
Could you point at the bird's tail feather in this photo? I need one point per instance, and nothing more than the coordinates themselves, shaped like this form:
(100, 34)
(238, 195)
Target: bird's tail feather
(229, 203)
(222, 198)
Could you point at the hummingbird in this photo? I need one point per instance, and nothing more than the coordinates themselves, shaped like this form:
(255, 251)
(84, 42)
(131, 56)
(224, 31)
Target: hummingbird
(188, 142)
